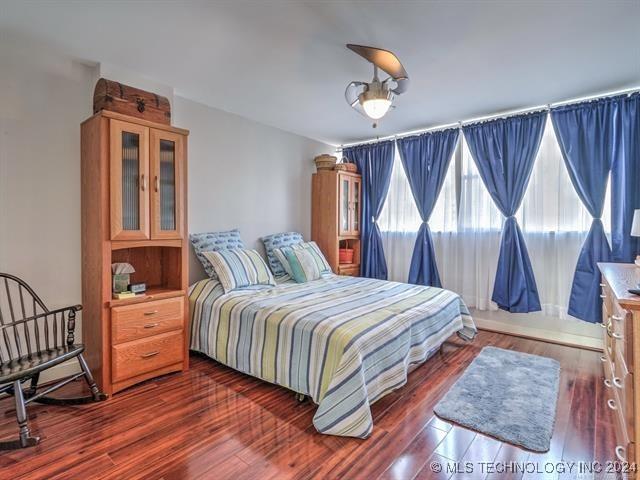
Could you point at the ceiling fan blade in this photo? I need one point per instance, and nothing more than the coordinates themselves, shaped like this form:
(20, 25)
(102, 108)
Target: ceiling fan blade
(383, 59)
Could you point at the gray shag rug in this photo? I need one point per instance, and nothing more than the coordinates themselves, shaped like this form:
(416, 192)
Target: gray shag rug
(508, 395)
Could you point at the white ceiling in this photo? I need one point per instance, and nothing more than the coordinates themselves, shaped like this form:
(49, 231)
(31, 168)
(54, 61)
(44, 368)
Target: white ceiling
(284, 63)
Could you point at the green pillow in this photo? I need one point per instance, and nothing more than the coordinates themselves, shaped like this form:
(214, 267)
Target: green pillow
(302, 262)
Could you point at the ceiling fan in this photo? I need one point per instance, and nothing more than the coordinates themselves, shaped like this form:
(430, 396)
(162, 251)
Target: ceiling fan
(373, 99)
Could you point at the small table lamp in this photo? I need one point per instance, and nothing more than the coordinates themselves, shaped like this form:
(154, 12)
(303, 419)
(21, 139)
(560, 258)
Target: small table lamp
(635, 230)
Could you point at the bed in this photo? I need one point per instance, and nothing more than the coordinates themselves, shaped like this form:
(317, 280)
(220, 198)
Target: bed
(343, 341)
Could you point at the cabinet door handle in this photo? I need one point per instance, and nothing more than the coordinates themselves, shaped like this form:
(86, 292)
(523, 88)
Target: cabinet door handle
(150, 354)
(611, 403)
(143, 182)
(157, 183)
(621, 453)
(151, 325)
(153, 312)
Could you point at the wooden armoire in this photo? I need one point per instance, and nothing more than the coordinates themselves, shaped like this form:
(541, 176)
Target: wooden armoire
(336, 198)
(134, 210)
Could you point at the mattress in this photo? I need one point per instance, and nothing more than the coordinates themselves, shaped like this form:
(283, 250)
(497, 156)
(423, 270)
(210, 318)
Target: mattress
(343, 341)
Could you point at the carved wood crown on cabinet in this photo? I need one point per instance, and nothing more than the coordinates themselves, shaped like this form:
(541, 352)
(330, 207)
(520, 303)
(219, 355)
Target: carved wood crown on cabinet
(134, 191)
(621, 359)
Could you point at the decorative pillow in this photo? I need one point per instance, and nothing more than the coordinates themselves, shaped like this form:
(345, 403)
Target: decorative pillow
(279, 240)
(303, 264)
(213, 242)
(321, 261)
(239, 268)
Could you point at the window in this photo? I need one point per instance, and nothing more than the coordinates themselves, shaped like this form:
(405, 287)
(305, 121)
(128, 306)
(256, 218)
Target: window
(400, 213)
(550, 203)
(466, 228)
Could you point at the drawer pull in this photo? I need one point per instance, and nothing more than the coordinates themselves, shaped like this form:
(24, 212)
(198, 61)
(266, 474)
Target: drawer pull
(602, 285)
(151, 325)
(150, 354)
(607, 383)
(603, 296)
(617, 336)
(603, 359)
(153, 312)
(616, 318)
(603, 325)
(621, 453)
(611, 403)
(617, 382)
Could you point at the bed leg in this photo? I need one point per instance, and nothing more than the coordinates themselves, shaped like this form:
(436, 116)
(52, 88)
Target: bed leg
(300, 397)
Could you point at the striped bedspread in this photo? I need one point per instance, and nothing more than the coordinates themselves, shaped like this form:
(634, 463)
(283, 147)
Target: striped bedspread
(343, 341)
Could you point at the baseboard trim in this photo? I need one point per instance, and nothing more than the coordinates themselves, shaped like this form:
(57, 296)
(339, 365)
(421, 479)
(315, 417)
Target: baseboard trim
(558, 338)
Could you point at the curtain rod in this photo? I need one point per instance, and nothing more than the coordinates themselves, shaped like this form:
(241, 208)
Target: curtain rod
(504, 114)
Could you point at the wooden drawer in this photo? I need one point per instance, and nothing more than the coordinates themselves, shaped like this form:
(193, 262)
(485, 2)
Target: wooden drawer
(349, 270)
(607, 302)
(607, 339)
(145, 355)
(622, 382)
(143, 320)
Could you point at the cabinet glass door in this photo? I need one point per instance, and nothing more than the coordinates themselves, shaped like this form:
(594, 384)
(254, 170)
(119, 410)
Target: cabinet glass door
(166, 172)
(355, 223)
(129, 146)
(345, 207)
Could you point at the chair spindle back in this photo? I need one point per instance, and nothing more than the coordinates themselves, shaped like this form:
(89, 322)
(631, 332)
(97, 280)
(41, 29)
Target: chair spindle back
(27, 325)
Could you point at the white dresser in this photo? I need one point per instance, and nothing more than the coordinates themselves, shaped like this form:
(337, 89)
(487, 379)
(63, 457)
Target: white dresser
(621, 359)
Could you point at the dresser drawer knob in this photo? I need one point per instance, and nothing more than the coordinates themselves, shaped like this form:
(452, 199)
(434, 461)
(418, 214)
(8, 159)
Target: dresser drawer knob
(621, 453)
(153, 312)
(611, 403)
(603, 296)
(150, 354)
(151, 325)
(617, 382)
(607, 383)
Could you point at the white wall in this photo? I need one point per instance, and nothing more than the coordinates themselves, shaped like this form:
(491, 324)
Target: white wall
(245, 175)
(43, 98)
(241, 174)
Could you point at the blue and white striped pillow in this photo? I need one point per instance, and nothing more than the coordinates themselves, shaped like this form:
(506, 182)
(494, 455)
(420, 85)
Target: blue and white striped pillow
(303, 264)
(240, 268)
(321, 261)
(213, 242)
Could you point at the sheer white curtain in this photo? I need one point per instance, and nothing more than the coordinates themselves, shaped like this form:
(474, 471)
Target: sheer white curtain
(400, 219)
(467, 236)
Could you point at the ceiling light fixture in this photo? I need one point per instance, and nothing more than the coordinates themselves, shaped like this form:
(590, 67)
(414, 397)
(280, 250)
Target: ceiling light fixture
(373, 99)
(376, 98)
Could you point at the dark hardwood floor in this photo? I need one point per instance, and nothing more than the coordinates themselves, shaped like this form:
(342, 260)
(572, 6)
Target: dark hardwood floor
(213, 422)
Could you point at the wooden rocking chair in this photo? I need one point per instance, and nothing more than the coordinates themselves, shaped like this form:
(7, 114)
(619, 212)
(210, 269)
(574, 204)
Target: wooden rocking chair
(32, 339)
